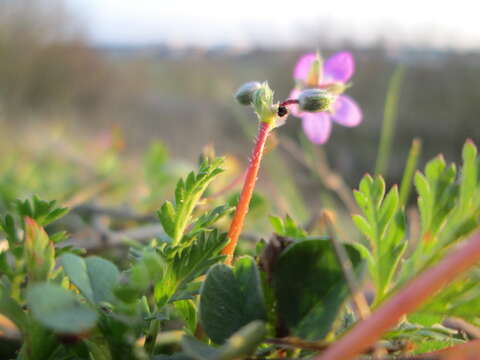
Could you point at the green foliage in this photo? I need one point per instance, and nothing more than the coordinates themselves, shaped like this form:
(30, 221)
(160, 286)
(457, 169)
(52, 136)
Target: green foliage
(410, 167)
(39, 252)
(59, 309)
(187, 264)
(240, 344)
(310, 287)
(172, 298)
(175, 217)
(144, 274)
(449, 205)
(389, 120)
(94, 277)
(43, 212)
(230, 299)
(287, 227)
(383, 224)
(12, 309)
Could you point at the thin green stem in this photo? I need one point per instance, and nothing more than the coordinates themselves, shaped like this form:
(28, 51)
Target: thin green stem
(410, 167)
(389, 120)
(151, 337)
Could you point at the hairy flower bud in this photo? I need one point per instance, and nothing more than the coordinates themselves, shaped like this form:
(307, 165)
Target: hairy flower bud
(315, 100)
(263, 104)
(244, 94)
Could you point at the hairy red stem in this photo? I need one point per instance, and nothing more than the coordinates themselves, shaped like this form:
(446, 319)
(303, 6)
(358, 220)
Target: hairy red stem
(408, 299)
(247, 191)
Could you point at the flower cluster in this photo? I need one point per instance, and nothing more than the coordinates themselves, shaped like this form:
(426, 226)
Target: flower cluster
(332, 76)
(317, 97)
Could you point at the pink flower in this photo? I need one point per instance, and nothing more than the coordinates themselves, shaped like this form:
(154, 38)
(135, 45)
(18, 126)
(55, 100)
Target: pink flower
(337, 71)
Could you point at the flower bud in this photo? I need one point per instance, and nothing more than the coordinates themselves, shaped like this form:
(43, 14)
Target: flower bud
(315, 100)
(263, 103)
(244, 94)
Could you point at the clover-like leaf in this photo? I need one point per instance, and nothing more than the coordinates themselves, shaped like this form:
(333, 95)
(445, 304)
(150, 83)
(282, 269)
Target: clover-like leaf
(310, 287)
(59, 309)
(94, 277)
(231, 298)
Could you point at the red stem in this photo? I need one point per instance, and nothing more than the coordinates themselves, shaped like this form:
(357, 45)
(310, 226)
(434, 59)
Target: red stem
(289, 102)
(408, 299)
(247, 191)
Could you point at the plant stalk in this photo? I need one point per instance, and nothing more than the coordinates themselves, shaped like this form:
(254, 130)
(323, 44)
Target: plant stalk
(248, 186)
(409, 171)
(407, 299)
(389, 120)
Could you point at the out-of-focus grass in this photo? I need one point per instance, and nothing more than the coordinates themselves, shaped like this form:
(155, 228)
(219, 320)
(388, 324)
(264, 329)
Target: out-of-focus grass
(389, 121)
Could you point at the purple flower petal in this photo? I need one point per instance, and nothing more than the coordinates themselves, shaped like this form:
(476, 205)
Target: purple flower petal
(317, 126)
(346, 111)
(339, 67)
(303, 66)
(293, 108)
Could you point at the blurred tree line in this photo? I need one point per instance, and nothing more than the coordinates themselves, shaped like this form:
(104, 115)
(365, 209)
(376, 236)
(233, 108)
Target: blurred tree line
(184, 96)
(45, 63)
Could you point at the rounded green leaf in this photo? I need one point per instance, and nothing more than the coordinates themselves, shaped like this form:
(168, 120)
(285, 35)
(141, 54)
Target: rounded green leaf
(59, 309)
(230, 299)
(94, 277)
(310, 287)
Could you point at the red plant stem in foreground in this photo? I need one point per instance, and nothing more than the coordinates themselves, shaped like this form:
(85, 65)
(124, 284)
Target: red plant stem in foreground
(247, 191)
(408, 299)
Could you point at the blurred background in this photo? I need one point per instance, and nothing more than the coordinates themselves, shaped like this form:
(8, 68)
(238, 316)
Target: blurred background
(87, 86)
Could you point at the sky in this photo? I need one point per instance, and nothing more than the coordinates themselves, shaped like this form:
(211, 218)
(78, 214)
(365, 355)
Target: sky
(280, 23)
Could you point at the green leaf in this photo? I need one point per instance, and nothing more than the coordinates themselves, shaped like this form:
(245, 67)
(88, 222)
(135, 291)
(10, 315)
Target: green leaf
(147, 272)
(187, 311)
(175, 356)
(39, 251)
(187, 264)
(98, 349)
(198, 350)
(239, 345)
(59, 310)
(244, 341)
(363, 225)
(8, 226)
(408, 173)
(231, 298)
(43, 212)
(94, 277)
(175, 218)
(194, 261)
(287, 227)
(389, 208)
(469, 178)
(310, 287)
(277, 224)
(208, 219)
(383, 224)
(12, 310)
(167, 218)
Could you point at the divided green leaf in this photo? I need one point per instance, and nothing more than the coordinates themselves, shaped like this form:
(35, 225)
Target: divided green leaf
(176, 217)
